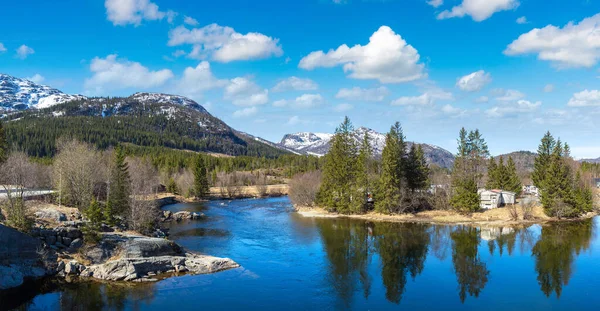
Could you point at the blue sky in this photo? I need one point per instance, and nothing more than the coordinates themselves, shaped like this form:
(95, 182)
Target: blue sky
(512, 68)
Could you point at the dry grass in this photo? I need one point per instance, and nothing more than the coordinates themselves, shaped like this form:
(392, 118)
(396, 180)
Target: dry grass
(499, 216)
(252, 191)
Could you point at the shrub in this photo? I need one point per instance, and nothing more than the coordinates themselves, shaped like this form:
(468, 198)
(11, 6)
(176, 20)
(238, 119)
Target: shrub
(304, 188)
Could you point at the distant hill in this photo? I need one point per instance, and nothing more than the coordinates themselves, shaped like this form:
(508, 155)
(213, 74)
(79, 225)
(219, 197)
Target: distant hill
(319, 143)
(590, 160)
(523, 159)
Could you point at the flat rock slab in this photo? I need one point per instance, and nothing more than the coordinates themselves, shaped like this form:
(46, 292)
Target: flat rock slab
(133, 269)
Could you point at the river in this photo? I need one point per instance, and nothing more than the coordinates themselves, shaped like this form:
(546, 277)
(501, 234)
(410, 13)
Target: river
(294, 263)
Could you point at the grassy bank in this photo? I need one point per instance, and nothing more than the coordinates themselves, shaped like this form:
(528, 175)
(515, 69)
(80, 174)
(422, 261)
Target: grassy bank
(499, 216)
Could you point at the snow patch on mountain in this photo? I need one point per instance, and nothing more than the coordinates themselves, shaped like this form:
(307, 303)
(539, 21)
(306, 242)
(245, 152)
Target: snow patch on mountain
(168, 99)
(318, 144)
(20, 94)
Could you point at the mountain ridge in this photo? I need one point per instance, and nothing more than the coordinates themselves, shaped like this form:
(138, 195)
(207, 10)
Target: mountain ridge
(319, 143)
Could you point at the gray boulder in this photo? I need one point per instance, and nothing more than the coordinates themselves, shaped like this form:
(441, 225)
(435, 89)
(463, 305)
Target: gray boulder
(50, 213)
(22, 257)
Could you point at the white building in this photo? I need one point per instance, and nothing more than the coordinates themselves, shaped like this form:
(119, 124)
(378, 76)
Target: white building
(530, 189)
(496, 198)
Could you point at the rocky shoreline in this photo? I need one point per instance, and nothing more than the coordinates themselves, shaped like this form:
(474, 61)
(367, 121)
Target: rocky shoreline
(56, 248)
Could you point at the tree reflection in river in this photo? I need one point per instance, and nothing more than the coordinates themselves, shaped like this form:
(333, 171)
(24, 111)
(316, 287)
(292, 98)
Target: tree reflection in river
(347, 244)
(556, 250)
(350, 244)
(471, 272)
(403, 249)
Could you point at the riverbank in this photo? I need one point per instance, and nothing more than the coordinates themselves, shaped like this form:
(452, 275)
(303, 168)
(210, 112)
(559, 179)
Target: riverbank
(493, 217)
(57, 248)
(225, 193)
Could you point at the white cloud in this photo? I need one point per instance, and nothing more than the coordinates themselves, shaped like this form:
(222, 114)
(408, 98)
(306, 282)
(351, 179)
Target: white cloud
(435, 3)
(308, 101)
(342, 107)
(513, 108)
(293, 120)
(36, 78)
(507, 95)
(452, 111)
(479, 10)
(356, 93)
(246, 112)
(482, 99)
(178, 53)
(474, 82)
(549, 88)
(112, 73)
(574, 45)
(23, 51)
(190, 21)
(224, 44)
(2, 48)
(585, 99)
(304, 101)
(522, 20)
(295, 84)
(197, 80)
(387, 58)
(244, 92)
(124, 12)
(427, 98)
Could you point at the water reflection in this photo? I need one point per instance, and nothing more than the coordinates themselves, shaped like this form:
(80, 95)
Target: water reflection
(84, 296)
(353, 264)
(471, 272)
(556, 251)
(349, 246)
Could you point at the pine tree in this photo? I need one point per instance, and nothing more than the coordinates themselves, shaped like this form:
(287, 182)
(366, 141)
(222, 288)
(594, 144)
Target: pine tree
(543, 160)
(557, 195)
(416, 169)
(363, 179)
(468, 170)
(119, 187)
(513, 181)
(3, 145)
(391, 188)
(339, 171)
(493, 176)
(201, 186)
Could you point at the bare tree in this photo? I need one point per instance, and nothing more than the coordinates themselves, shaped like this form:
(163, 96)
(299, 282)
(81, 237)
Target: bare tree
(143, 211)
(77, 168)
(17, 175)
(527, 208)
(304, 188)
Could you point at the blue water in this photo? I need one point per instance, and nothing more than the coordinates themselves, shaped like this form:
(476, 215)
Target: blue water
(294, 263)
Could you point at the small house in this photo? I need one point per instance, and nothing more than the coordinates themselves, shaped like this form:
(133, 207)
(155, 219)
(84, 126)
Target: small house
(530, 189)
(496, 198)
(597, 182)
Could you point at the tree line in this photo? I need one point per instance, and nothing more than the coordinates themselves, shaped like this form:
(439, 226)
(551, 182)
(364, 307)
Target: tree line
(351, 178)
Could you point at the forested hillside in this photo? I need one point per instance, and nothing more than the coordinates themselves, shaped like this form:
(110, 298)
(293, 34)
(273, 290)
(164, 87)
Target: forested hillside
(138, 120)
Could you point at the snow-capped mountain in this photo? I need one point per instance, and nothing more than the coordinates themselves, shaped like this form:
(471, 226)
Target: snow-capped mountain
(20, 94)
(161, 98)
(319, 143)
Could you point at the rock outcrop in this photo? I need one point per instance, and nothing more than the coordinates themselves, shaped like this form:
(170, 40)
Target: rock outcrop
(51, 214)
(60, 238)
(180, 216)
(23, 257)
(136, 258)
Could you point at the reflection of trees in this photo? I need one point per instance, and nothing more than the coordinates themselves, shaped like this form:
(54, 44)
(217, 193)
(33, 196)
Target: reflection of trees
(556, 250)
(347, 245)
(471, 272)
(403, 249)
(350, 244)
(440, 241)
(97, 296)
